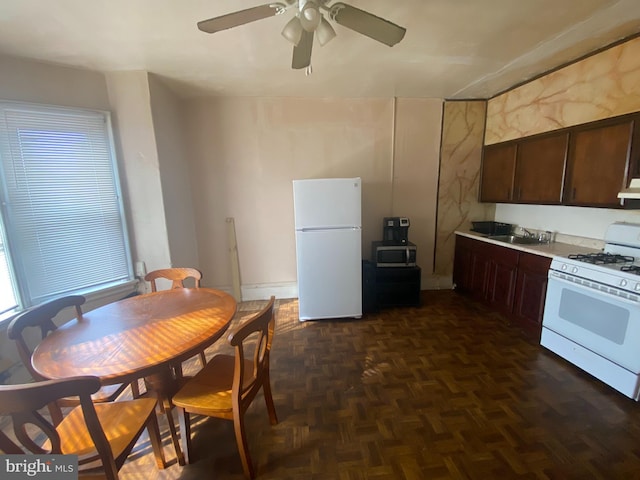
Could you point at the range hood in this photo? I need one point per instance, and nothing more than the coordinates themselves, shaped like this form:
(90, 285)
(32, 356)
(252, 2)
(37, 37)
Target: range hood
(633, 191)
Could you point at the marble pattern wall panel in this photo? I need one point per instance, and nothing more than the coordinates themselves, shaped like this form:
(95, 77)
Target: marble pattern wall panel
(603, 85)
(460, 158)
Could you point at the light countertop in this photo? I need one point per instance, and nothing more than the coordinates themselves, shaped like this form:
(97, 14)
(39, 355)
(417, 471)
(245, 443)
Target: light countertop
(553, 249)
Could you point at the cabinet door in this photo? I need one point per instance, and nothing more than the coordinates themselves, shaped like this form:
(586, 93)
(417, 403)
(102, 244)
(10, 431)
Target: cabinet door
(540, 169)
(531, 289)
(502, 278)
(480, 262)
(462, 264)
(598, 162)
(498, 170)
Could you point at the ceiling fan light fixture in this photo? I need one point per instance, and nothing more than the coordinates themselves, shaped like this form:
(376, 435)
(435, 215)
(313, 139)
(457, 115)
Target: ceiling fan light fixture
(292, 31)
(324, 32)
(310, 16)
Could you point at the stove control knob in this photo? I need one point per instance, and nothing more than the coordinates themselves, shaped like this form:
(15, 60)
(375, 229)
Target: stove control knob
(574, 270)
(637, 287)
(564, 266)
(623, 283)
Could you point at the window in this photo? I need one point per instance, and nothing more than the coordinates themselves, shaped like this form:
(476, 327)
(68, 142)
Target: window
(63, 228)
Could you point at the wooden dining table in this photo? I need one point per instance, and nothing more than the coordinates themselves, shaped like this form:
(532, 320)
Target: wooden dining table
(144, 336)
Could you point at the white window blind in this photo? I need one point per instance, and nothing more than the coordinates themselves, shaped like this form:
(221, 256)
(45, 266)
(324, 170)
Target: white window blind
(62, 212)
(8, 300)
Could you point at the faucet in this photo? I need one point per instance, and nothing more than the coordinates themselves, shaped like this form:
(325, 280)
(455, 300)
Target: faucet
(527, 233)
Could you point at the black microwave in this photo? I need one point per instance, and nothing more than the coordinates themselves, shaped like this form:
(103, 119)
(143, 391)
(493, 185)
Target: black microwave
(385, 254)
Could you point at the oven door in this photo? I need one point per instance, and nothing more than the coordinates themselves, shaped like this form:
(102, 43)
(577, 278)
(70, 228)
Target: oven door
(601, 322)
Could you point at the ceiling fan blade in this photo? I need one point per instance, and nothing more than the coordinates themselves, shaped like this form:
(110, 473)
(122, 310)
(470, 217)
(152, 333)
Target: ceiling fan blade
(241, 17)
(367, 24)
(302, 52)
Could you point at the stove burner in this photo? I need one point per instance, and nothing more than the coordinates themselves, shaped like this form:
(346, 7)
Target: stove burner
(601, 258)
(631, 269)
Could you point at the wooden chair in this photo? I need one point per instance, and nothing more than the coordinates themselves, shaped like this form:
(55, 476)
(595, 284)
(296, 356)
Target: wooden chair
(41, 317)
(177, 277)
(106, 432)
(228, 384)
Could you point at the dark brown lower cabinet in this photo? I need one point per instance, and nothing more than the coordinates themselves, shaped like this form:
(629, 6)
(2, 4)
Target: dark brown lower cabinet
(531, 289)
(511, 281)
(501, 282)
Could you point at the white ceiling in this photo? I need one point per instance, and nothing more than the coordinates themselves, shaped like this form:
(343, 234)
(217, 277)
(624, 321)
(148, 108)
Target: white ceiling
(454, 49)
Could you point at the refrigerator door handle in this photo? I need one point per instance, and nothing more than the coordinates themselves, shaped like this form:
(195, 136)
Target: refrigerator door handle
(319, 229)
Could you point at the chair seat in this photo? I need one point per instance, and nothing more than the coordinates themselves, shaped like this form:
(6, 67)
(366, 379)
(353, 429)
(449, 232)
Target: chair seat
(109, 393)
(209, 391)
(122, 423)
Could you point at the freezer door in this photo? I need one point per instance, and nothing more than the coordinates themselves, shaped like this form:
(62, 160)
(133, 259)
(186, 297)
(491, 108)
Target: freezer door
(329, 273)
(327, 203)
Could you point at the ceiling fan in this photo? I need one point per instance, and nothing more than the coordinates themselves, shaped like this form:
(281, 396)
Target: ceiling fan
(308, 20)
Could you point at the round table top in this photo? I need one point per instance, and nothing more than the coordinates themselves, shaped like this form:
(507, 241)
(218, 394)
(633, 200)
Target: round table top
(136, 336)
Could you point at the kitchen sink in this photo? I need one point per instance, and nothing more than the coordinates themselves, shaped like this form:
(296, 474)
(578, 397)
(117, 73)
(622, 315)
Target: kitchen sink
(516, 239)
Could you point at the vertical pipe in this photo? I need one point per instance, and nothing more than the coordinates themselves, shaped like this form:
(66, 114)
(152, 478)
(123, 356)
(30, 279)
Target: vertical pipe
(393, 152)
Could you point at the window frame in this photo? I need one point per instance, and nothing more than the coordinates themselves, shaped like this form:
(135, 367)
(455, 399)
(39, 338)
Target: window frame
(118, 288)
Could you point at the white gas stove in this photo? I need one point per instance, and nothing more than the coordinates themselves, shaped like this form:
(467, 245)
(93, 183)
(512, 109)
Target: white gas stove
(592, 310)
(616, 274)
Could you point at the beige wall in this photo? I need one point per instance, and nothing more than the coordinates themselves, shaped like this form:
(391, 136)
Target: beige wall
(188, 166)
(168, 125)
(601, 86)
(140, 170)
(245, 152)
(28, 81)
(416, 161)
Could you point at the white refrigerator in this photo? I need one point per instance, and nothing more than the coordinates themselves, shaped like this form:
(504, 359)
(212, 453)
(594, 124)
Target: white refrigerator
(328, 247)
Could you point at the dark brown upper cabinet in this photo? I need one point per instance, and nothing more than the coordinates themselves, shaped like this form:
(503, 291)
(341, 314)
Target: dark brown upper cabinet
(498, 170)
(598, 164)
(585, 165)
(540, 169)
(525, 171)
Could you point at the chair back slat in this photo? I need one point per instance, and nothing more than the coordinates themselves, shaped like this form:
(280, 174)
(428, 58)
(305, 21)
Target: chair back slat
(23, 428)
(254, 336)
(8, 447)
(39, 317)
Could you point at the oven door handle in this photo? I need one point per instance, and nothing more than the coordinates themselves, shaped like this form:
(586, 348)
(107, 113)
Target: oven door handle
(580, 286)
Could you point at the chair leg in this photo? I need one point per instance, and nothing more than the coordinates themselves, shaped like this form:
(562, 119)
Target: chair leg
(135, 389)
(156, 442)
(185, 434)
(203, 359)
(268, 399)
(174, 434)
(243, 445)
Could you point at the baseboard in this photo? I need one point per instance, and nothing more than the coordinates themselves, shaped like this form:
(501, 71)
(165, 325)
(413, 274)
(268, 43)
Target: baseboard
(265, 290)
(290, 290)
(436, 282)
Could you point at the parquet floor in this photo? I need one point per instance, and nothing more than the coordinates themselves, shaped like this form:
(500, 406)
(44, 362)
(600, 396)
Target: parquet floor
(444, 391)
